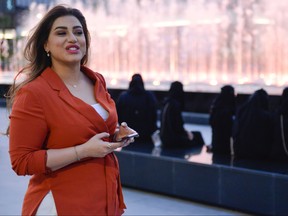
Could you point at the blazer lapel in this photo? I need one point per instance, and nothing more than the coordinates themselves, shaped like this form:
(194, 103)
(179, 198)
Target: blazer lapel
(75, 103)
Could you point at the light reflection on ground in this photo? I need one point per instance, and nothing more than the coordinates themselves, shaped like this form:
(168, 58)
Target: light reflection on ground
(203, 157)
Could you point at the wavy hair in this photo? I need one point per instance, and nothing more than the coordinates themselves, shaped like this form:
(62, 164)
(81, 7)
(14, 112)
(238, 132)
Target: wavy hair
(34, 51)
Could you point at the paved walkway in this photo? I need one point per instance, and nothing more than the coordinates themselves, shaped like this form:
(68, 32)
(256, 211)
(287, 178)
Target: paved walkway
(12, 189)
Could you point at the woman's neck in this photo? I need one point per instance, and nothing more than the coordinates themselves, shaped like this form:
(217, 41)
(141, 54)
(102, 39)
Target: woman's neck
(67, 73)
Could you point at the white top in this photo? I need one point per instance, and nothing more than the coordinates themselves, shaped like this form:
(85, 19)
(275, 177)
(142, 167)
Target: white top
(101, 111)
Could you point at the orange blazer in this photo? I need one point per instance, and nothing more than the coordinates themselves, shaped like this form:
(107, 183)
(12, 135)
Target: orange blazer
(45, 115)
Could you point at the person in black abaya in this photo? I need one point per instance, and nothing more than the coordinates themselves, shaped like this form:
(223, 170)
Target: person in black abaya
(138, 108)
(280, 144)
(221, 120)
(253, 135)
(172, 131)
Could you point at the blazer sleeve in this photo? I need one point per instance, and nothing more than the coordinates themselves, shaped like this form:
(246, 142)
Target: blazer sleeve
(28, 131)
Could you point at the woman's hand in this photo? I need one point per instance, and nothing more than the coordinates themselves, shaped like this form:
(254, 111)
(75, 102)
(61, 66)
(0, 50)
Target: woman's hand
(190, 135)
(96, 147)
(124, 132)
(127, 142)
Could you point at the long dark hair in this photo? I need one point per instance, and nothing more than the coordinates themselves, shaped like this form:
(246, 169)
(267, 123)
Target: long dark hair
(34, 50)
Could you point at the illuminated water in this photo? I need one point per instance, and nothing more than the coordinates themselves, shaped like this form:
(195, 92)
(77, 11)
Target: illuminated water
(204, 44)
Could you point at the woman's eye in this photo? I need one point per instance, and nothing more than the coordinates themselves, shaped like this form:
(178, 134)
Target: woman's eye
(79, 32)
(61, 33)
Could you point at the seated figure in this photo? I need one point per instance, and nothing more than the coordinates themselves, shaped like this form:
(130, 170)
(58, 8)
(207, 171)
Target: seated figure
(172, 131)
(222, 113)
(280, 142)
(138, 107)
(253, 134)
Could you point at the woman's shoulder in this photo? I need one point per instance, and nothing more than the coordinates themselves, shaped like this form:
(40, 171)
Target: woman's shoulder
(38, 86)
(34, 85)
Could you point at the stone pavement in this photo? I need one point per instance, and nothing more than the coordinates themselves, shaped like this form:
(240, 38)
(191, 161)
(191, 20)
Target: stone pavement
(12, 187)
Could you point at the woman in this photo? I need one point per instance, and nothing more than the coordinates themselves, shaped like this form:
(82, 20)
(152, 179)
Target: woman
(253, 132)
(279, 150)
(138, 107)
(221, 120)
(63, 123)
(172, 131)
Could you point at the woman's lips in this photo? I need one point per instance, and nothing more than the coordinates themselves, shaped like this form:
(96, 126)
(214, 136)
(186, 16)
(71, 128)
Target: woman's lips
(72, 49)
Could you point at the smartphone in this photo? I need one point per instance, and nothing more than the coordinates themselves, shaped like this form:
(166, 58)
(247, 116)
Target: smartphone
(130, 136)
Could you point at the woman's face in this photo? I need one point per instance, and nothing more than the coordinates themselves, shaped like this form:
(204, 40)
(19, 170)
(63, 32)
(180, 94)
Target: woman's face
(66, 41)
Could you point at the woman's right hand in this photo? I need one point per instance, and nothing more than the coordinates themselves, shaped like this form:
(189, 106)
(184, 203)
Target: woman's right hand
(97, 147)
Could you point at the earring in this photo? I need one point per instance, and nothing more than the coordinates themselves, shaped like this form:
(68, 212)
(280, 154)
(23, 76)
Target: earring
(48, 54)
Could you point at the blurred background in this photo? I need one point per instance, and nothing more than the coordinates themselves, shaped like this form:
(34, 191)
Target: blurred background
(203, 43)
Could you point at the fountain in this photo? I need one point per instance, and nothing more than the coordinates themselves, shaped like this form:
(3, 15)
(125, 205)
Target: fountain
(203, 43)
